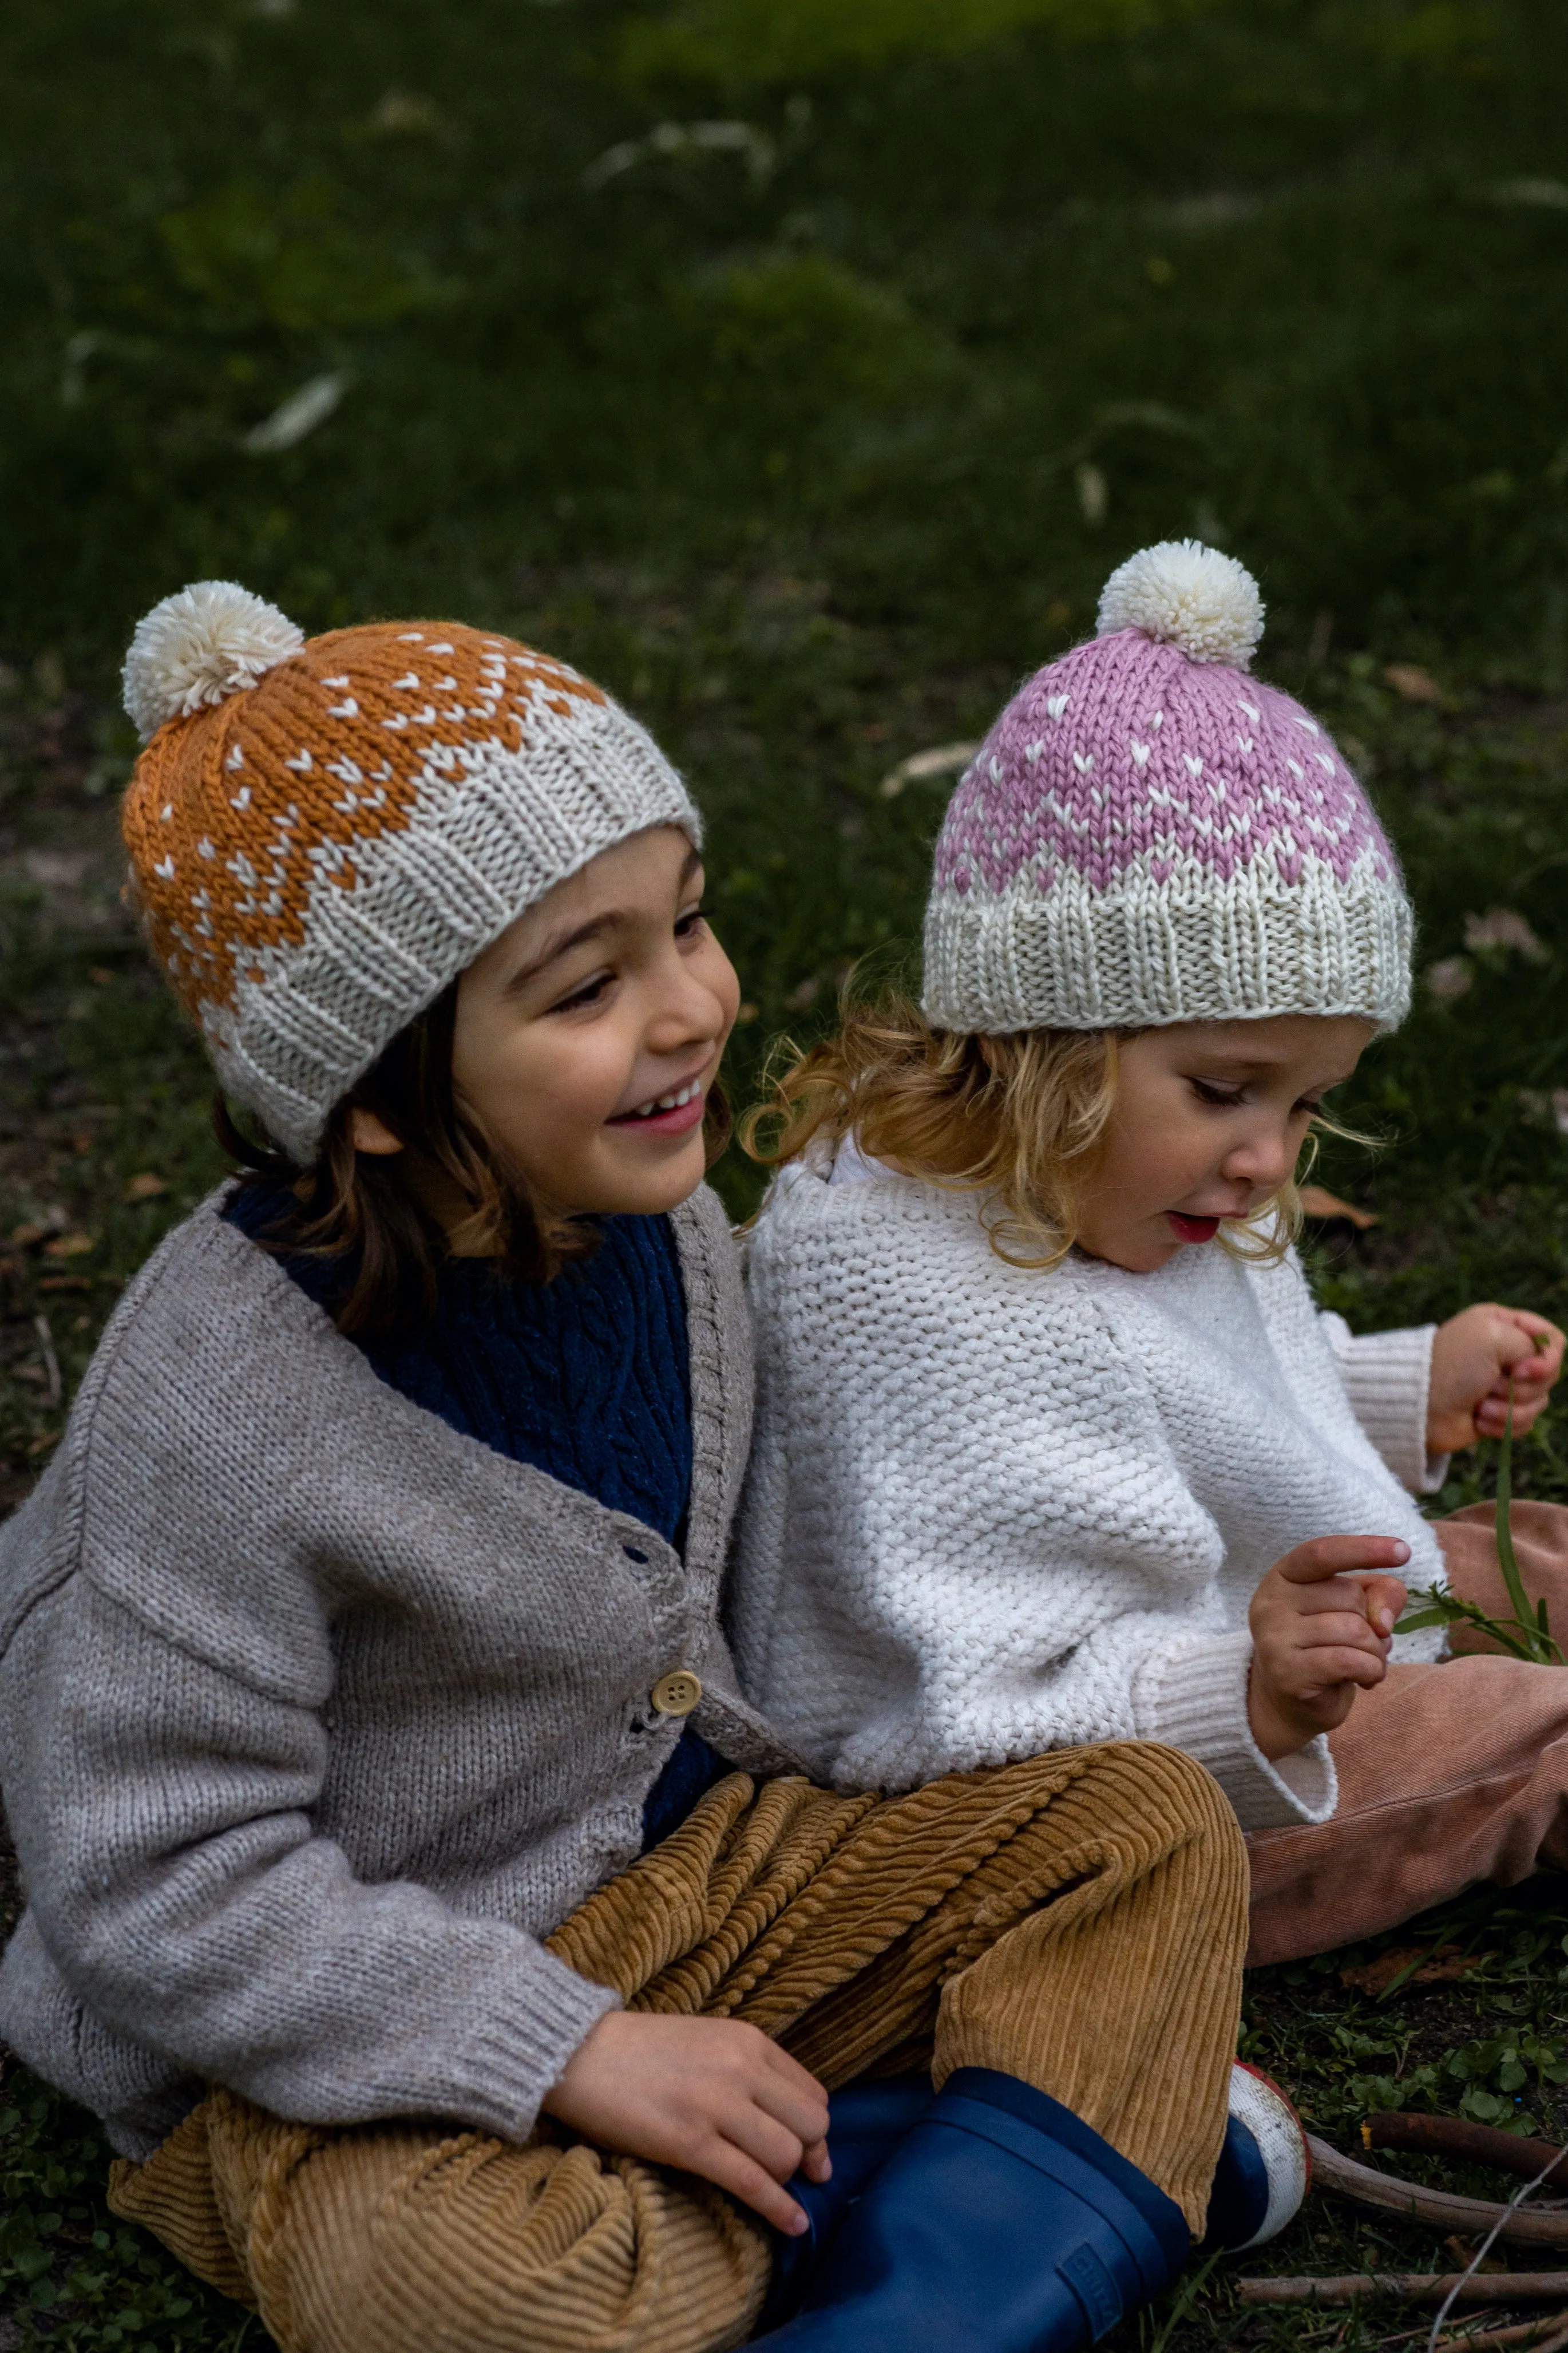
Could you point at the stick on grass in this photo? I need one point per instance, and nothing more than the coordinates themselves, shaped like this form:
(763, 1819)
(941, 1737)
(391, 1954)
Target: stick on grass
(1411, 2287)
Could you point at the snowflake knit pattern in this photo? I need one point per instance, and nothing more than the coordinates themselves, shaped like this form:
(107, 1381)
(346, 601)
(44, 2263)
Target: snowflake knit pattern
(324, 834)
(1149, 835)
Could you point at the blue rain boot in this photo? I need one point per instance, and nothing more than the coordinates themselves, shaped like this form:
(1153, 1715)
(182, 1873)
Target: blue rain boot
(1265, 2167)
(1001, 2223)
(865, 2123)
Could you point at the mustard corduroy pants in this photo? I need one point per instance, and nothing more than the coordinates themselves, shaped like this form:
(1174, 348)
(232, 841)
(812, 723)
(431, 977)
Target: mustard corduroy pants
(1077, 1920)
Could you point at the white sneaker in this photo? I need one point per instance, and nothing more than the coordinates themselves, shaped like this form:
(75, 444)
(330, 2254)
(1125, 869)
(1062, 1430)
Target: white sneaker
(1264, 2170)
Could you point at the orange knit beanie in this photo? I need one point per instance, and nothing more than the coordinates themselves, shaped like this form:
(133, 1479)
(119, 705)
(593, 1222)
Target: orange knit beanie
(324, 833)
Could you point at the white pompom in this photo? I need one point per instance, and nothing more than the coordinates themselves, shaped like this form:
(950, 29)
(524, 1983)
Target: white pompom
(209, 642)
(1184, 594)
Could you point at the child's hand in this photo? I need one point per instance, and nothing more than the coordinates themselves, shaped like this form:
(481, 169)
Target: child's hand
(1472, 1356)
(709, 2094)
(1321, 1622)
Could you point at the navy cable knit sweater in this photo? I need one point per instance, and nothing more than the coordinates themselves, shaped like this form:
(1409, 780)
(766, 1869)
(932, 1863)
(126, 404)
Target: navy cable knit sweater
(585, 1378)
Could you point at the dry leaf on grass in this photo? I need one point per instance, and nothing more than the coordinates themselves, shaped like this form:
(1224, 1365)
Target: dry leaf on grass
(1450, 977)
(1505, 927)
(1449, 1961)
(1416, 684)
(942, 760)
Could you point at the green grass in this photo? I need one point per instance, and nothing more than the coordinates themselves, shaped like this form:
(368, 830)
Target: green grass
(808, 437)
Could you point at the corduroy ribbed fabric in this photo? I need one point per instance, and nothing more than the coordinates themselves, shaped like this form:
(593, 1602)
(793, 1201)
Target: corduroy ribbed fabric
(1076, 1921)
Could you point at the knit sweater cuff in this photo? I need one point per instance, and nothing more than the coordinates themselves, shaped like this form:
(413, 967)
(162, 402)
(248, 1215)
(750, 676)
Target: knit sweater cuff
(1194, 1697)
(515, 2046)
(1388, 1378)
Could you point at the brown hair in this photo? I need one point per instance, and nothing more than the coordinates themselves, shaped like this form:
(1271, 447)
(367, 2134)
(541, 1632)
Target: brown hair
(1014, 1118)
(360, 1208)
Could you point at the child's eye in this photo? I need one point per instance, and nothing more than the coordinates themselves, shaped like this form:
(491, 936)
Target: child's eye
(1312, 1105)
(589, 993)
(1227, 1097)
(688, 925)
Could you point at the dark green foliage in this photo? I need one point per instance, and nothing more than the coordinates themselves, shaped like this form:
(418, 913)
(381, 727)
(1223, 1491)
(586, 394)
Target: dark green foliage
(70, 2273)
(808, 434)
(1287, 273)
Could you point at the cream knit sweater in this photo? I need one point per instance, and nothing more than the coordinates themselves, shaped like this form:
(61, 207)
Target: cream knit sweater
(992, 1511)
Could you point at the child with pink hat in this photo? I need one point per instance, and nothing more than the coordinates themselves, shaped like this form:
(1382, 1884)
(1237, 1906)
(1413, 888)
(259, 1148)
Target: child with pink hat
(1053, 1444)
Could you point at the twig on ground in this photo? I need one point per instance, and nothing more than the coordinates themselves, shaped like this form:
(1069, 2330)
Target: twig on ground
(1473, 2267)
(1552, 2327)
(1332, 2170)
(1412, 2287)
(1458, 2137)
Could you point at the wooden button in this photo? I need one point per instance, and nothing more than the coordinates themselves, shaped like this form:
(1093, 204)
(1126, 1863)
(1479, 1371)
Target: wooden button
(676, 1693)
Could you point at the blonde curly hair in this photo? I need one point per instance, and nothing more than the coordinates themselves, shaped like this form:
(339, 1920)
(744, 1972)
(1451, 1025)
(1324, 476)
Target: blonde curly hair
(1015, 1119)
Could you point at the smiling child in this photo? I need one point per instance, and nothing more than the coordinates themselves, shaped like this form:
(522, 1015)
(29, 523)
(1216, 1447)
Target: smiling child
(1052, 1445)
(453, 1956)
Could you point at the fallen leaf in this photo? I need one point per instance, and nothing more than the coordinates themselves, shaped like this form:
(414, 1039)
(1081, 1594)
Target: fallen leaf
(1465, 2252)
(942, 760)
(1449, 977)
(100, 975)
(43, 1441)
(1504, 927)
(1552, 194)
(1416, 684)
(24, 1237)
(70, 1245)
(1370, 1977)
(1545, 1108)
(1449, 1961)
(1317, 1203)
(748, 1012)
(401, 110)
(145, 1188)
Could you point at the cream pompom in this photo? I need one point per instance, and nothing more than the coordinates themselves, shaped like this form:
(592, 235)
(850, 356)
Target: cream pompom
(206, 643)
(1184, 594)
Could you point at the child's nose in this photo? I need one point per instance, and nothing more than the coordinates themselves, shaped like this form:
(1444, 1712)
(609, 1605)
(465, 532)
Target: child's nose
(688, 1013)
(1264, 1159)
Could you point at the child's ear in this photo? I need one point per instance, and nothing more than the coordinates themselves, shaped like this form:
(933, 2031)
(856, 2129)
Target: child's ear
(368, 1133)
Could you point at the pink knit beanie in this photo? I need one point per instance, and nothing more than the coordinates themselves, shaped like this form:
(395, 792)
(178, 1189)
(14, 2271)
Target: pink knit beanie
(1148, 835)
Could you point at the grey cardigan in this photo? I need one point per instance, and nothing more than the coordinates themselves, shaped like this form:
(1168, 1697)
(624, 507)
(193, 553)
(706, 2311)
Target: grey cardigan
(315, 1715)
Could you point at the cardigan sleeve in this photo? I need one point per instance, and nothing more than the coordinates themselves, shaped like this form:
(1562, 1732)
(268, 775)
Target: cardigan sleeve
(923, 1586)
(161, 1807)
(1387, 1377)
(166, 1685)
